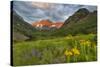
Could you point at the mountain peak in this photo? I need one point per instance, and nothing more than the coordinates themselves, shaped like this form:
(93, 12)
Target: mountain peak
(83, 10)
(46, 20)
(47, 24)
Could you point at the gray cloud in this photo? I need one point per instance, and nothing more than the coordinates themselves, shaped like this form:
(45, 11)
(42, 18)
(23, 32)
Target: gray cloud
(33, 11)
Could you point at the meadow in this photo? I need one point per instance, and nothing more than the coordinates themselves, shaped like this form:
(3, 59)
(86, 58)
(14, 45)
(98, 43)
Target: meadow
(68, 49)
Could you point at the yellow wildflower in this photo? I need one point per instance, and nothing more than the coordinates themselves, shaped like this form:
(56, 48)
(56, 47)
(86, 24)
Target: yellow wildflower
(69, 37)
(83, 42)
(75, 51)
(88, 43)
(68, 53)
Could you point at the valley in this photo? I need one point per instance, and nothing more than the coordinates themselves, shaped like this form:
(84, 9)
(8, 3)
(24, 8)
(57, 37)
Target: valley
(48, 42)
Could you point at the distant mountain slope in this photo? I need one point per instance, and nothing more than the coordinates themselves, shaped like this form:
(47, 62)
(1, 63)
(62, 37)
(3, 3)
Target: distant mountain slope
(85, 25)
(21, 27)
(43, 22)
(81, 21)
(58, 24)
(47, 25)
(78, 15)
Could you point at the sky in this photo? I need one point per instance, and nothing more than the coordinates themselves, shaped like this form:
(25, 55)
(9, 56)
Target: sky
(34, 11)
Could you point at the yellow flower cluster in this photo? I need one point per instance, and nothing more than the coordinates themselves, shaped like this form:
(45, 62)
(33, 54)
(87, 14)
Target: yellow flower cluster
(84, 42)
(69, 37)
(73, 51)
(68, 53)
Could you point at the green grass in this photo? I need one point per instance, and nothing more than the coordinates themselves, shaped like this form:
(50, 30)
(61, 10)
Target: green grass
(51, 51)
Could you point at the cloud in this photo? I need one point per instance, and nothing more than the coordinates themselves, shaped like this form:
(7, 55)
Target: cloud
(34, 11)
(41, 5)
